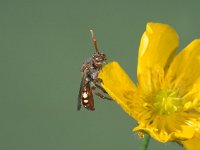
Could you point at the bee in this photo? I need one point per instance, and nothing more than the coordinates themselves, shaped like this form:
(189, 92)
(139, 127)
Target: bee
(90, 81)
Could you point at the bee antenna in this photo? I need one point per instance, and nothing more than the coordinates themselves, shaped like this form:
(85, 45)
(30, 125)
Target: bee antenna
(94, 41)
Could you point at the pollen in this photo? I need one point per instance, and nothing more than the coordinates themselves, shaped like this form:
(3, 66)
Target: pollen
(167, 102)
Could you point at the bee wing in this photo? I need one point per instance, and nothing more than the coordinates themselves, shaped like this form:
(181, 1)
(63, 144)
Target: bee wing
(83, 80)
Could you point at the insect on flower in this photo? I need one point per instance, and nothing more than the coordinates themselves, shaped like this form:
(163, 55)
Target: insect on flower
(166, 100)
(90, 81)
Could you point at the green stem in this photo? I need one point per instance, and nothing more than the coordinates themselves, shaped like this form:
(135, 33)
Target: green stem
(145, 143)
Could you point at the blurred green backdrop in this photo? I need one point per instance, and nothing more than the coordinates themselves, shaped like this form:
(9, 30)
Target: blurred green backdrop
(43, 44)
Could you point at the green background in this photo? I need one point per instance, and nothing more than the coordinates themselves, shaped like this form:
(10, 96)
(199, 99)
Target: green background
(42, 47)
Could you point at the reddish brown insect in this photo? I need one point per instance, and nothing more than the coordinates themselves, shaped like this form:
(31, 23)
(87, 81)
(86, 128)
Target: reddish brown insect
(90, 81)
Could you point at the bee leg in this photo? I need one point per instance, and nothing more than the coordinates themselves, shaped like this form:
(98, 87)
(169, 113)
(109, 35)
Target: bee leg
(98, 80)
(94, 86)
(102, 96)
(101, 88)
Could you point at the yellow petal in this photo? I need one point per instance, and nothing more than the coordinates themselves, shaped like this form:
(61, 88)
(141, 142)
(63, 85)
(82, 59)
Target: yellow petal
(185, 69)
(193, 143)
(176, 127)
(192, 97)
(118, 84)
(157, 47)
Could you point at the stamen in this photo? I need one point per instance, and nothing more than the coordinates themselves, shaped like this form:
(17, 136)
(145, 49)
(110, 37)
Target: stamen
(167, 102)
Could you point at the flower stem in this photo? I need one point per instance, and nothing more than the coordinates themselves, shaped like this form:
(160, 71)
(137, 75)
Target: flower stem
(145, 143)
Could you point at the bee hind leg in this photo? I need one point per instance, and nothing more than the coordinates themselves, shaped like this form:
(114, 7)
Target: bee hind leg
(94, 86)
(102, 96)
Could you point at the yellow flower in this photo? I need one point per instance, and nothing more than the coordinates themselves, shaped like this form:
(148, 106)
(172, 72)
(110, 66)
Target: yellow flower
(166, 100)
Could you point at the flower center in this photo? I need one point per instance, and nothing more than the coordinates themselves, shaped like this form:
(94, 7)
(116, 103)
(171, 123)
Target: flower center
(167, 102)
